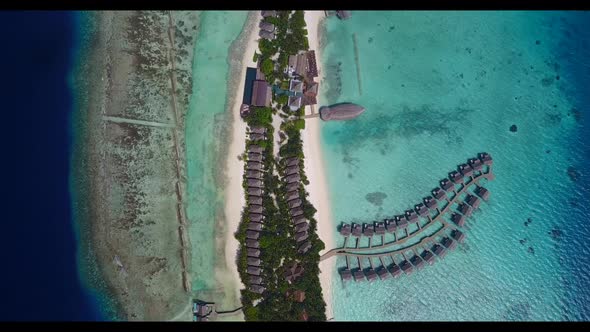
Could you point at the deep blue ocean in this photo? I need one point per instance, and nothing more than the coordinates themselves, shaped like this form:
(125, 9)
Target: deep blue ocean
(40, 278)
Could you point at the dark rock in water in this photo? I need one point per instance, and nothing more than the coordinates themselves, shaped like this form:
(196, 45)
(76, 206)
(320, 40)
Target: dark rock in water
(370, 40)
(538, 42)
(530, 220)
(522, 241)
(555, 233)
(391, 28)
(557, 77)
(376, 198)
(573, 173)
(547, 81)
(531, 250)
(577, 114)
(547, 151)
(350, 175)
(526, 223)
(513, 128)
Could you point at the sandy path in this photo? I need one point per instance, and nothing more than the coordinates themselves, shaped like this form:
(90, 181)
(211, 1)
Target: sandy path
(314, 169)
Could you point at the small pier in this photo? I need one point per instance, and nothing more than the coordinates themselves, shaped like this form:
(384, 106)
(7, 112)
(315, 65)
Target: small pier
(425, 246)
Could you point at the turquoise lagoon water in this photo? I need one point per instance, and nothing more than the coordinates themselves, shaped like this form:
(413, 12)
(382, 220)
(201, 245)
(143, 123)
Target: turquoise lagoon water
(439, 87)
(205, 123)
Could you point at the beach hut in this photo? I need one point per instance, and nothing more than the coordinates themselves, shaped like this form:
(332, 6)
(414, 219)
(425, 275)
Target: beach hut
(252, 261)
(254, 226)
(294, 203)
(371, 275)
(458, 235)
(296, 212)
(253, 235)
(293, 178)
(430, 202)
(254, 157)
(253, 252)
(465, 209)
(485, 158)
(256, 137)
(257, 289)
(473, 201)
(421, 209)
(267, 26)
(254, 200)
(466, 170)
(411, 215)
(255, 183)
(293, 161)
(258, 130)
(254, 174)
(345, 230)
(253, 270)
(254, 166)
(255, 209)
(292, 170)
(304, 247)
(346, 274)
(255, 148)
(395, 270)
(456, 177)
(483, 193)
(292, 195)
(261, 90)
(446, 185)
(458, 219)
(428, 257)
(301, 227)
(358, 275)
(383, 273)
(439, 250)
(254, 191)
(255, 280)
(256, 217)
(292, 186)
(476, 164)
(250, 243)
(299, 220)
(357, 230)
(267, 35)
(301, 236)
(369, 230)
(439, 193)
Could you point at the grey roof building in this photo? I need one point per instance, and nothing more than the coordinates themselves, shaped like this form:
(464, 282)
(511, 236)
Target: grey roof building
(261, 93)
(256, 217)
(294, 203)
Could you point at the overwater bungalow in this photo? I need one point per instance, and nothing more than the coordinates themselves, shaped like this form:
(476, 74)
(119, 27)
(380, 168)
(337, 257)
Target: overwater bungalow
(255, 280)
(382, 273)
(456, 177)
(483, 193)
(476, 164)
(269, 13)
(380, 228)
(253, 235)
(458, 235)
(345, 230)
(292, 195)
(252, 261)
(254, 226)
(358, 275)
(293, 161)
(256, 137)
(466, 170)
(430, 202)
(447, 185)
(299, 220)
(255, 208)
(296, 212)
(447, 242)
(369, 230)
(428, 257)
(439, 250)
(406, 267)
(411, 215)
(294, 203)
(473, 201)
(458, 219)
(258, 130)
(257, 289)
(292, 186)
(256, 217)
(301, 236)
(371, 275)
(346, 274)
(357, 230)
(255, 148)
(304, 247)
(254, 174)
(401, 221)
(417, 261)
(465, 209)
(421, 209)
(254, 166)
(485, 158)
(301, 227)
(395, 270)
(255, 183)
(254, 157)
(292, 170)
(251, 243)
(267, 26)
(253, 252)
(439, 193)
(253, 270)
(293, 178)
(254, 200)
(391, 225)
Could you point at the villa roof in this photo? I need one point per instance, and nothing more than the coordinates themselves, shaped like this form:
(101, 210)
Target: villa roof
(267, 26)
(267, 35)
(261, 93)
(294, 102)
(296, 86)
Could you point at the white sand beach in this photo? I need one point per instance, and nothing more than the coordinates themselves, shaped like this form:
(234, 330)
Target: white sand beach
(314, 169)
(234, 193)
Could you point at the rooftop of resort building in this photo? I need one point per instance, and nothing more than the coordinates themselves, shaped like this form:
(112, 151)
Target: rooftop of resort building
(254, 226)
(256, 217)
(304, 247)
(267, 35)
(267, 26)
(294, 103)
(261, 94)
(251, 243)
(258, 130)
(296, 86)
(253, 252)
(292, 186)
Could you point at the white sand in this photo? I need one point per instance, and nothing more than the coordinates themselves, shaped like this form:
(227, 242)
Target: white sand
(314, 169)
(234, 193)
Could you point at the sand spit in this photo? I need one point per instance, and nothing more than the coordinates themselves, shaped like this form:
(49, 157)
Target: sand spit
(135, 170)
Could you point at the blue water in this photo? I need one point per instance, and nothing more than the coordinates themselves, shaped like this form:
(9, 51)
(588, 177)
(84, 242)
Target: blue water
(438, 88)
(40, 278)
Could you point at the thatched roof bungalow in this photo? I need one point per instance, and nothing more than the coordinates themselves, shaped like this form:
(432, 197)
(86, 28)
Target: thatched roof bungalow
(254, 157)
(293, 178)
(251, 243)
(254, 166)
(296, 212)
(304, 247)
(254, 226)
(253, 252)
(292, 186)
(261, 93)
(254, 174)
(294, 203)
(256, 217)
(299, 219)
(252, 235)
(258, 130)
(252, 261)
(267, 26)
(292, 170)
(253, 270)
(255, 280)
(292, 195)
(255, 183)
(255, 148)
(301, 236)
(303, 227)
